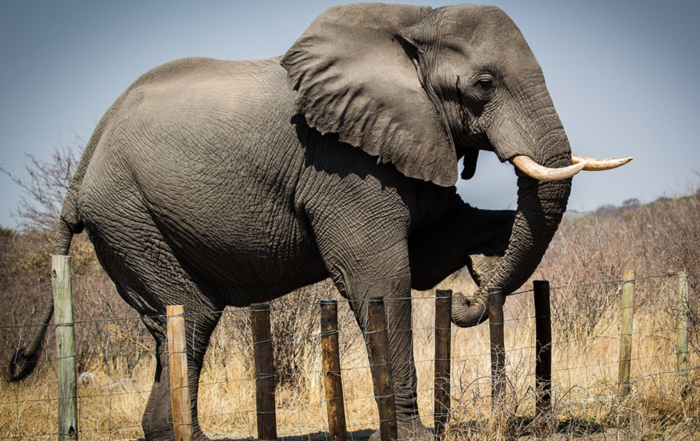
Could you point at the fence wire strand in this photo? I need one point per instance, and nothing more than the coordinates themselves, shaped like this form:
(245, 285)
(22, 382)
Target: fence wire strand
(585, 361)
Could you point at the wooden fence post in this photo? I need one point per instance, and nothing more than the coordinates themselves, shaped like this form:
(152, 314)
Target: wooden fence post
(332, 378)
(682, 330)
(627, 307)
(65, 349)
(177, 366)
(498, 353)
(443, 345)
(543, 353)
(264, 371)
(381, 369)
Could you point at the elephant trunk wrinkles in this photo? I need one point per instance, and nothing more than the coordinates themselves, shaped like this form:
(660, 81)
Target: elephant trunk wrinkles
(541, 206)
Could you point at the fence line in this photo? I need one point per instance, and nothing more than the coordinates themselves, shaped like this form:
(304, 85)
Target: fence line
(243, 310)
(465, 390)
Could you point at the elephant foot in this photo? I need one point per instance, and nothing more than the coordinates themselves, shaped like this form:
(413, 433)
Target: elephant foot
(411, 430)
(170, 436)
(165, 432)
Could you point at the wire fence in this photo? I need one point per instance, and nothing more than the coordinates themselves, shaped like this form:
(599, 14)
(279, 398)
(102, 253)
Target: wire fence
(116, 365)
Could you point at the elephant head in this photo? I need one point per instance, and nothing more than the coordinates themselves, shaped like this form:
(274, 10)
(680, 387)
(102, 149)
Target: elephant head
(421, 88)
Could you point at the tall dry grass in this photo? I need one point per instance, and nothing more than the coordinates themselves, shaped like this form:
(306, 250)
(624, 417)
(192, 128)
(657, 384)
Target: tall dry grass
(584, 266)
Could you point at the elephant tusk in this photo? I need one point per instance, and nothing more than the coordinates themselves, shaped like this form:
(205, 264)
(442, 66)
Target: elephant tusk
(546, 174)
(594, 164)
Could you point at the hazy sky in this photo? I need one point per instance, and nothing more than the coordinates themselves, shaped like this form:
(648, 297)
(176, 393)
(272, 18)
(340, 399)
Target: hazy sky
(622, 75)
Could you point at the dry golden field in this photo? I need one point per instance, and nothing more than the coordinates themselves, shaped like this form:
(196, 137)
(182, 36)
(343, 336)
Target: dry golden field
(585, 265)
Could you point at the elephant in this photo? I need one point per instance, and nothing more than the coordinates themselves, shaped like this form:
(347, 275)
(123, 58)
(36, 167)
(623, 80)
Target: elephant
(214, 183)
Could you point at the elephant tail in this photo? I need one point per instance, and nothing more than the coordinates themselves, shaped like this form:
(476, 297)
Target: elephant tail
(25, 359)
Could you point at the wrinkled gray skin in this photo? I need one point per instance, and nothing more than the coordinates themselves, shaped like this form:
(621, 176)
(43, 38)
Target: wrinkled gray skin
(212, 183)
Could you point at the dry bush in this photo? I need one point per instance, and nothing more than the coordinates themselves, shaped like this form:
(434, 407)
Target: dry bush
(295, 322)
(589, 255)
(587, 260)
(295, 327)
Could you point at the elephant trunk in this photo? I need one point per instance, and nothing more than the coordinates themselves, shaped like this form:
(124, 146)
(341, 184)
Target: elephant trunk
(536, 222)
(540, 208)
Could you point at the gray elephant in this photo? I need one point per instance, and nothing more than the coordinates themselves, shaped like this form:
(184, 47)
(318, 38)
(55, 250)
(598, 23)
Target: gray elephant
(224, 183)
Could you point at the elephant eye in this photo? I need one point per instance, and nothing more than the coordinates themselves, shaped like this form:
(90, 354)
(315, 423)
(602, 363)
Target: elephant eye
(485, 84)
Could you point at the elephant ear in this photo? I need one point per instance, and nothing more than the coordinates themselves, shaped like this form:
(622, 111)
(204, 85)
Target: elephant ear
(355, 76)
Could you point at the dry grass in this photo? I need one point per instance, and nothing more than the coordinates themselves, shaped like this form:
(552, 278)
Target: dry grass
(586, 254)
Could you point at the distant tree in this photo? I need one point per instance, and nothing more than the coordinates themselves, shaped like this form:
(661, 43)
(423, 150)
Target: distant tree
(631, 203)
(44, 186)
(607, 211)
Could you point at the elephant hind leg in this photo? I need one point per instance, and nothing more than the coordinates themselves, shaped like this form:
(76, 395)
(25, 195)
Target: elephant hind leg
(158, 413)
(148, 276)
(157, 417)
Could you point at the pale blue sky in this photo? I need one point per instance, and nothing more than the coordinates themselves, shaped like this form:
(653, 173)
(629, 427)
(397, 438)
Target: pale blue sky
(622, 75)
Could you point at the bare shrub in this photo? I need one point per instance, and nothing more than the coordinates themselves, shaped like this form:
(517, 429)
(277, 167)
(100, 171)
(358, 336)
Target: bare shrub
(686, 255)
(25, 265)
(45, 186)
(295, 328)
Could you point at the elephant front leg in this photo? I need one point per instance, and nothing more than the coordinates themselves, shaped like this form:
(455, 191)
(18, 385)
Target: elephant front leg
(397, 305)
(366, 254)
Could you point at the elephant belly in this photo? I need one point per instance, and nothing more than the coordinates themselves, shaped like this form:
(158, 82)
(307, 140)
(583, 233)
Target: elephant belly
(236, 228)
(256, 253)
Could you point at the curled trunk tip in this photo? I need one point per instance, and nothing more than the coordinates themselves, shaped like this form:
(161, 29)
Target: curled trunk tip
(469, 311)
